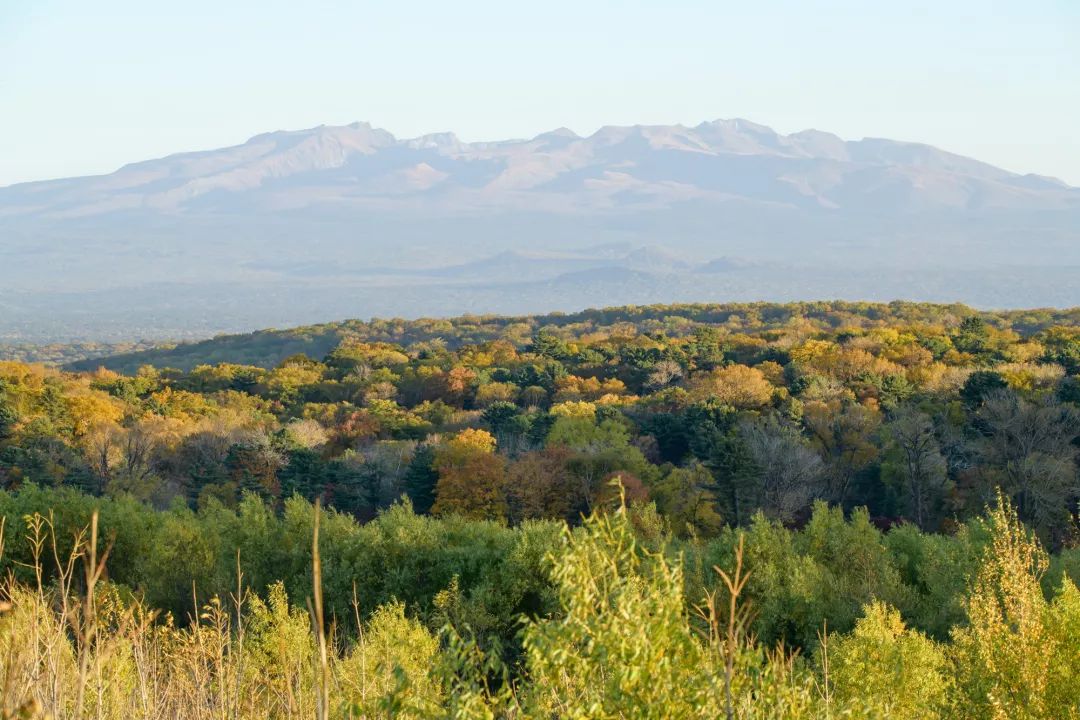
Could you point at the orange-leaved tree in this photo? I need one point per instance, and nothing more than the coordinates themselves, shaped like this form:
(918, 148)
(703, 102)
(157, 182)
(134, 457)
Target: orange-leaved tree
(472, 477)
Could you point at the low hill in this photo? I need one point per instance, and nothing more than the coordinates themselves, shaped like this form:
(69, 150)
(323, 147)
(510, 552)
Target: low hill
(267, 348)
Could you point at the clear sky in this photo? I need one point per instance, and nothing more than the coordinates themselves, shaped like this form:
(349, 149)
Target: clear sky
(86, 86)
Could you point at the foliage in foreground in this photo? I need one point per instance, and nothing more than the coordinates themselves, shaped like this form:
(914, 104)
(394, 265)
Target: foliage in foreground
(623, 641)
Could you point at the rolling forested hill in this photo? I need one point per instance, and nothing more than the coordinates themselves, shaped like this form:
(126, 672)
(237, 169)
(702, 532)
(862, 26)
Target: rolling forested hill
(266, 348)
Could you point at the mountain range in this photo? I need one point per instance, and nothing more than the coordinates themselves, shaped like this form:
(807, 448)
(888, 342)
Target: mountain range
(290, 227)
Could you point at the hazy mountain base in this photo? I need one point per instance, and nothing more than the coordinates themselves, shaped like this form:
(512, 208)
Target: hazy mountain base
(173, 311)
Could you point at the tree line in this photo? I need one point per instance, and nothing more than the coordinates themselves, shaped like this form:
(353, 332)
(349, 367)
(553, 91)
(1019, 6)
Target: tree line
(769, 411)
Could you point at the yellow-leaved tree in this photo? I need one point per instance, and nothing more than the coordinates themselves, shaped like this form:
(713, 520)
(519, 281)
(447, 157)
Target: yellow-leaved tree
(888, 669)
(1017, 657)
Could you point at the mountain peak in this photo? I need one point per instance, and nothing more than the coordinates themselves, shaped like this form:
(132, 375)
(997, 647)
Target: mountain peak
(738, 125)
(435, 141)
(561, 132)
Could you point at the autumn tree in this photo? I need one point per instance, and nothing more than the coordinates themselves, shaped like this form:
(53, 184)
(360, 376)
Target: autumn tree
(663, 374)
(253, 464)
(844, 433)
(133, 459)
(598, 449)
(1016, 656)
(459, 385)
(540, 485)
(736, 385)
(472, 477)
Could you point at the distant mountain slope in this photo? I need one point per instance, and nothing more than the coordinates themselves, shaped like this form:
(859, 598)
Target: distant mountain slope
(358, 166)
(291, 225)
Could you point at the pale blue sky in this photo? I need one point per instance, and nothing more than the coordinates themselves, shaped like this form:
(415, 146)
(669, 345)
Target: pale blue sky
(88, 86)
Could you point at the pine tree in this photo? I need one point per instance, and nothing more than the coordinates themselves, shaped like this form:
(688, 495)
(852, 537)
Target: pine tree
(420, 479)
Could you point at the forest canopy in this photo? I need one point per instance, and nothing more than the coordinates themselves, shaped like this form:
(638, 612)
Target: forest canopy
(897, 483)
(267, 348)
(916, 412)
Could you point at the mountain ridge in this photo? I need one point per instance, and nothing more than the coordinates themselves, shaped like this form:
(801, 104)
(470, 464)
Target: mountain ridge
(653, 160)
(370, 223)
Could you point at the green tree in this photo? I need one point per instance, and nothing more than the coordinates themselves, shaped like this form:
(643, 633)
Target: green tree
(421, 478)
(8, 417)
(979, 385)
(621, 647)
(685, 497)
(890, 670)
(735, 473)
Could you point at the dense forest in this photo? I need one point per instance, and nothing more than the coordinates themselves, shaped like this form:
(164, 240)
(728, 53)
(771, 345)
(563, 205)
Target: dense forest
(267, 348)
(806, 510)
